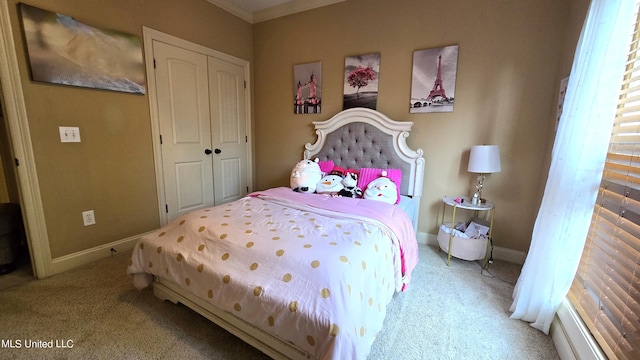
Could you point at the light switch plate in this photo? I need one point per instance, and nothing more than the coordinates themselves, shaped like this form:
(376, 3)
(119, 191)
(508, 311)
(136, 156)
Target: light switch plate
(88, 218)
(69, 134)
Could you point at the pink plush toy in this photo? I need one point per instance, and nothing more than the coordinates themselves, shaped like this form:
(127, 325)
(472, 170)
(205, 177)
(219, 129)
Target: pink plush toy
(382, 189)
(305, 176)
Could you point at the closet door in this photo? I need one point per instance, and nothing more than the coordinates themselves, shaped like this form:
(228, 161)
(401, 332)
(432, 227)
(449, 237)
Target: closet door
(228, 130)
(185, 128)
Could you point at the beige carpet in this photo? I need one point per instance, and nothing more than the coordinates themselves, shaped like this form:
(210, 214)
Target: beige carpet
(453, 312)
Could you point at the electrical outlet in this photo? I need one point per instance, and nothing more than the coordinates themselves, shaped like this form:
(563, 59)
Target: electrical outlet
(88, 218)
(69, 134)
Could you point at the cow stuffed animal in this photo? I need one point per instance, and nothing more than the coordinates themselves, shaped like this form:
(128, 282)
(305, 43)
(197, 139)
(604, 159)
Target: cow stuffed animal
(305, 176)
(351, 188)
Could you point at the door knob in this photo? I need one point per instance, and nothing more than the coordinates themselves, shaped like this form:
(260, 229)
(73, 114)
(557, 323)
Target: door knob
(217, 151)
(208, 151)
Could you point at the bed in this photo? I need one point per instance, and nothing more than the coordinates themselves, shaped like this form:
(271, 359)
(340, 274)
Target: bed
(298, 275)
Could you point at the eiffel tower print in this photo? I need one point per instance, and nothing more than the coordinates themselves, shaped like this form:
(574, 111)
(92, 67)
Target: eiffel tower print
(438, 89)
(434, 80)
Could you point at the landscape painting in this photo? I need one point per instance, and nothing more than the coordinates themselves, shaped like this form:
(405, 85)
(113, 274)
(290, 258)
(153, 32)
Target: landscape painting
(64, 51)
(361, 74)
(433, 83)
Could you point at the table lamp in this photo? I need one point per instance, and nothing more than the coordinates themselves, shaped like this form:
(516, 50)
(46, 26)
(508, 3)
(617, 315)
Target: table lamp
(484, 159)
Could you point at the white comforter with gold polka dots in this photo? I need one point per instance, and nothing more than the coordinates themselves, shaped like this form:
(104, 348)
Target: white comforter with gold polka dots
(311, 269)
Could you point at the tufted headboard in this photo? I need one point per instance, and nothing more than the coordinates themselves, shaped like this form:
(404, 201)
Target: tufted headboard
(359, 137)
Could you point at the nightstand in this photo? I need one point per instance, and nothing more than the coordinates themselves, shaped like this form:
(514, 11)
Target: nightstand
(464, 248)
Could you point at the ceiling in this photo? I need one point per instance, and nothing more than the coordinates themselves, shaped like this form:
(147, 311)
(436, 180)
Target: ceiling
(255, 11)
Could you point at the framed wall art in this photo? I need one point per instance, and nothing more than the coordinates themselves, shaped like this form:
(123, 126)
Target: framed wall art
(64, 51)
(433, 84)
(307, 88)
(361, 74)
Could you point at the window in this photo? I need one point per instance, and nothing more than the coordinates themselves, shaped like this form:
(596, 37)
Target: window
(606, 289)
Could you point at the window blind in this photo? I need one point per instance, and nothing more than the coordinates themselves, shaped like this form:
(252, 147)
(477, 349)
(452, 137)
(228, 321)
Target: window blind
(606, 289)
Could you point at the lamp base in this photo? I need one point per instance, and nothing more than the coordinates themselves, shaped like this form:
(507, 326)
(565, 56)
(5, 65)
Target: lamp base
(477, 195)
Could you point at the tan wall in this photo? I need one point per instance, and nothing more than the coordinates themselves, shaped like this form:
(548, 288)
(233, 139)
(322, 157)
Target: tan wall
(577, 13)
(112, 170)
(509, 68)
(513, 54)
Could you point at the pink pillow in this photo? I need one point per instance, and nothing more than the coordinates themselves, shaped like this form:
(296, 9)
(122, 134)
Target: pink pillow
(367, 175)
(326, 166)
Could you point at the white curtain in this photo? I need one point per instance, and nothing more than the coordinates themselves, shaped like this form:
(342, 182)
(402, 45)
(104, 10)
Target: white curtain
(577, 162)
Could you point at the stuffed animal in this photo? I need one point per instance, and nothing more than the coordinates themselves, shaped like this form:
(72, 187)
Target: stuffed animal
(351, 188)
(305, 176)
(382, 189)
(331, 183)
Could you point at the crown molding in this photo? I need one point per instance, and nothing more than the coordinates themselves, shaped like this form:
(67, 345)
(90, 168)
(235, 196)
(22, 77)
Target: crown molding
(233, 9)
(288, 8)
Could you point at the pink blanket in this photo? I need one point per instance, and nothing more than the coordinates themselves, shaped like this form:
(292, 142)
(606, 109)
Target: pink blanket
(391, 216)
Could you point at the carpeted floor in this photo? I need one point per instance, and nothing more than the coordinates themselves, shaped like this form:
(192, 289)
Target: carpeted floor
(455, 312)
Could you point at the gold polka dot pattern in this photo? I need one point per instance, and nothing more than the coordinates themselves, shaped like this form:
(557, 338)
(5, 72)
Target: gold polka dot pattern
(293, 306)
(311, 340)
(278, 267)
(325, 293)
(334, 330)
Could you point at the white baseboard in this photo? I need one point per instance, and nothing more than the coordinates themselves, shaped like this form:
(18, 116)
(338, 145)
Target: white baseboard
(425, 238)
(561, 341)
(571, 337)
(509, 255)
(499, 253)
(79, 258)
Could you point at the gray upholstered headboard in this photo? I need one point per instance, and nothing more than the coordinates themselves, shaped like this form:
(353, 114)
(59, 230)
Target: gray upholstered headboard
(358, 138)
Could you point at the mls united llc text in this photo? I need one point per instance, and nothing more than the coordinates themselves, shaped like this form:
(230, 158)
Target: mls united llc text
(36, 344)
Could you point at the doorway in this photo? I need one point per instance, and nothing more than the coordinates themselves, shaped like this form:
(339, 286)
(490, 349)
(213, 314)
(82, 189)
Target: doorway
(15, 117)
(15, 252)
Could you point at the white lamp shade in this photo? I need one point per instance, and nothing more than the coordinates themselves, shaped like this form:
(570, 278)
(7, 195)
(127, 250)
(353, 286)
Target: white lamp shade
(484, 159)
